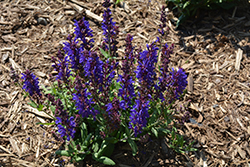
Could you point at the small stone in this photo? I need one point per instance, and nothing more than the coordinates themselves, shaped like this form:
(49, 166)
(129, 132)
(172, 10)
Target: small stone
(193, 121)
(42, 21)
(216, 105)
(5, 57)
(226, 119)
(217, 81)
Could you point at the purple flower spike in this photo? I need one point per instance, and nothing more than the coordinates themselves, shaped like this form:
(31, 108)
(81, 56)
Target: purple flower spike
(72, 50)
(145, 71)
(110, 31)
(61, 67)
(164, 78)
(178, 82)
(163, 21)
(113, 115)
(127, 91)
(139, 115)
(66, 125)
(83, 102)
(31, 83)
(82, 31)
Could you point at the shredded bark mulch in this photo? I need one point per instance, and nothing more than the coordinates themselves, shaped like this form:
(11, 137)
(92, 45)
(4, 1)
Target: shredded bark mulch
(213, 48)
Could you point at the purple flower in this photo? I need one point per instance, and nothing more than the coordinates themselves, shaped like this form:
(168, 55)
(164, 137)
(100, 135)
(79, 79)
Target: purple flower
(83, 102)
(145, 71)
(164, 78)
(66, 125)
(30, 84)
(106, 75)
(72, 50)
(127, 91)
(139, 115)
(113, 115)
(163, 21)
(82, 31)
(178, 82)
(61, 67)
(110, 31)
(75, 52)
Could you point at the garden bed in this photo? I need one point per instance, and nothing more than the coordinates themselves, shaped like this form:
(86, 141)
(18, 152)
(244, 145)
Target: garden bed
(213, 50)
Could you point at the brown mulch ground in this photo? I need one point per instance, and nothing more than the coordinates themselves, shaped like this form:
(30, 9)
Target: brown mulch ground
(213, 48)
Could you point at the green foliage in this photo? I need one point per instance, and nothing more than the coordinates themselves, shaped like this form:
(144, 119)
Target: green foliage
(188, 8)
(177, 143)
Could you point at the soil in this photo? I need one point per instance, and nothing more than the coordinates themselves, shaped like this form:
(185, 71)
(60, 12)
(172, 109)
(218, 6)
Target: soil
(212, 47)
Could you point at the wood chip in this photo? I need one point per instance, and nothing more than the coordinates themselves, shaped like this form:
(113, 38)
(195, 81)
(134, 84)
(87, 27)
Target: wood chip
(238, 59)
(35, 111)
(190, 83)
(241, 152)
(15, 147)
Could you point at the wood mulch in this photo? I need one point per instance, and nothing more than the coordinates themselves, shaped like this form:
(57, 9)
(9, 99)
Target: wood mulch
(213, 48)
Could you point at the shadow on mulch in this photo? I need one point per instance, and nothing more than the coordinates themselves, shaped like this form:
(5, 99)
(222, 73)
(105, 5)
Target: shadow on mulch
(153, 153)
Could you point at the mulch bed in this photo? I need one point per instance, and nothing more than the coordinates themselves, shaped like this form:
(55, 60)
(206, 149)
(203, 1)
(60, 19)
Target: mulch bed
(213, 48)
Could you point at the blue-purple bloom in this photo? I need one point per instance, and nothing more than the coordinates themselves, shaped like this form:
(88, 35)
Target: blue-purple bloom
(113, 114)
(145, 71)
(163, 21)
(110, 31)
(127, 92)
(66, 125)
(30, 84)
(94, 68)
(164, 78)
(83, 102)
(82, 31)
(61, 66)
(72, 50)
(68, 129)
(178, 82)
(139, 115)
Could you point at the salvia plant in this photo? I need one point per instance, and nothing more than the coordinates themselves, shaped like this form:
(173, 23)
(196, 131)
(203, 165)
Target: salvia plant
(98, 98)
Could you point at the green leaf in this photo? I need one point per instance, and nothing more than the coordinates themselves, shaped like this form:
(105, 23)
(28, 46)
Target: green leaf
(105, 149)
(102, 149)
(192, 149)
(84, 131)
(54, 90)
(165, 131)
(65, 152)
(87, 140)
(33, 104)
(130, 141)
(105, 54)
(173, 135)
(186, 4)
(133, 146)
(40, 107)
(80, 157)
(111, 140)
(154, 131)
(53, 109)
(105, 160)
(117, 1)
(95, 147)
(181, 141)
(52, 123)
